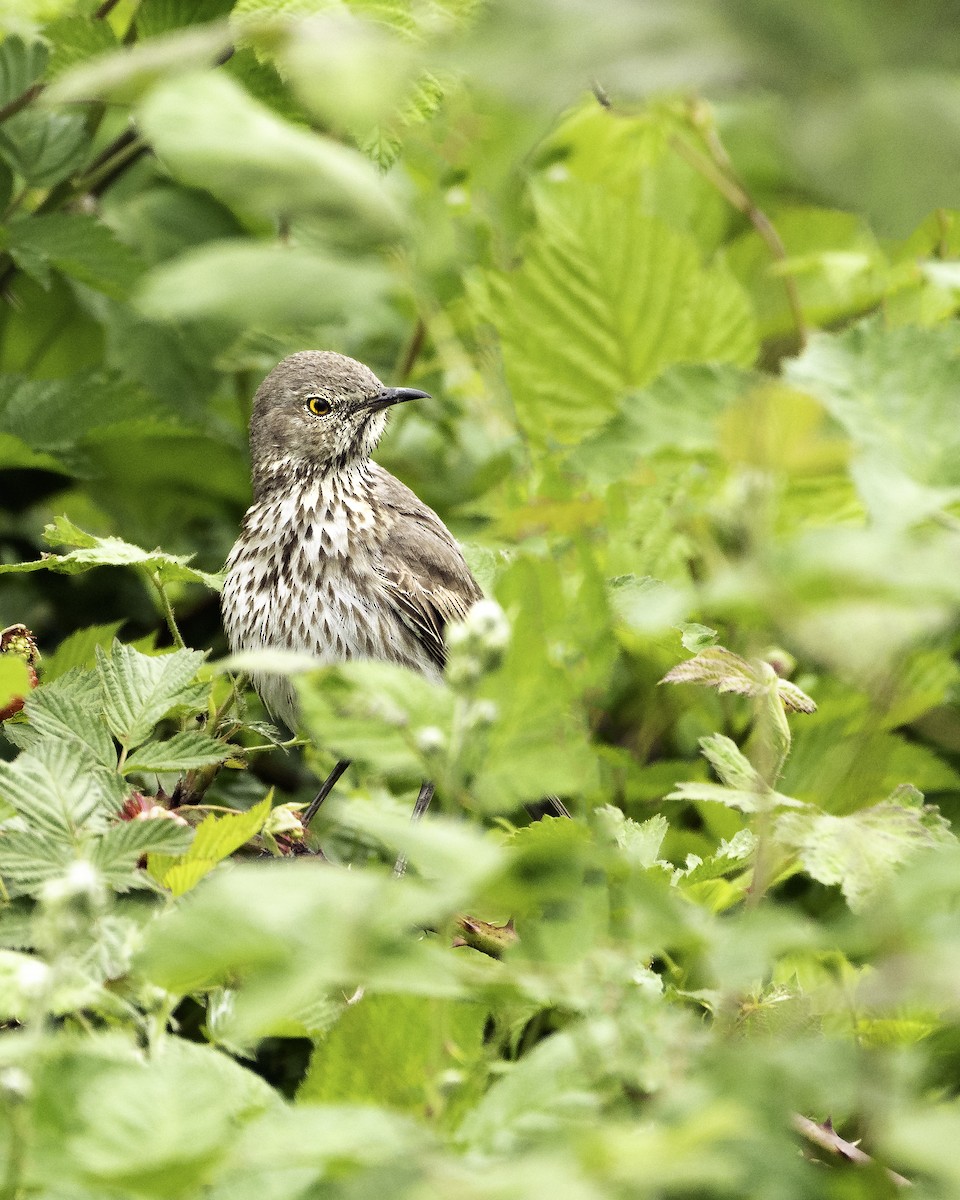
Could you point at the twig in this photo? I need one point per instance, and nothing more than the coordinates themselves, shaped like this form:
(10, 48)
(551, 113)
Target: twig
(717, 168)
(412, 351)
(826, 1138)
(105, 9)
(18, 102)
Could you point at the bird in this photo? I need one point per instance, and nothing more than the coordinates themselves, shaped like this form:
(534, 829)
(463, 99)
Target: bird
(336, 557)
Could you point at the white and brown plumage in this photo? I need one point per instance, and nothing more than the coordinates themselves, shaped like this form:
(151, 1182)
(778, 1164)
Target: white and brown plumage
(336, 558)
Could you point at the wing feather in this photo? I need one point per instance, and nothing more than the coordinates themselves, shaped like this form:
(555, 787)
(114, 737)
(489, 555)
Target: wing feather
(423, 568)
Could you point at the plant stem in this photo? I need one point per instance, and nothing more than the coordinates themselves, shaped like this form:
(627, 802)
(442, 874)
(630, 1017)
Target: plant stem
(20, 102)
(168, 612)
(717, 169)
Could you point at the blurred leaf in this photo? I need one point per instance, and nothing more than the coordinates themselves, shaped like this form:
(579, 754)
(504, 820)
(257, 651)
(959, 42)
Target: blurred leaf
(260, 285)
(78, 650)
(870, 378)
(78, 245)
(393, 1050)
(211, 134)
(860, 850)
(45, 148)
(21, 62)
(15, 681)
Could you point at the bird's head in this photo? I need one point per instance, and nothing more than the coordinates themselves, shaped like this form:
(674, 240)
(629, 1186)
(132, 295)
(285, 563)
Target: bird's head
(318, 410)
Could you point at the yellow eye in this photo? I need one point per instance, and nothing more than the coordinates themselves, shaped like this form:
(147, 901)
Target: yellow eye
(318, 406)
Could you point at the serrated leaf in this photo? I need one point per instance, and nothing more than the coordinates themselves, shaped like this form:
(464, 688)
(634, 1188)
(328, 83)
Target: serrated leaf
(21, 63)
(45, 147)
(605, 299)
(640, 842)
(182, 752)
(58, 791)
(720, 668)
(215, 839)
(861, 850)
(70, 710)
(138, 689)
(109, 552)
(734, 769)
(118, 850)
(78, 245)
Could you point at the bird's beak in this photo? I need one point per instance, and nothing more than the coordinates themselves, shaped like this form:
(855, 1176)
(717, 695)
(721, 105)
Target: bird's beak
(390, 396)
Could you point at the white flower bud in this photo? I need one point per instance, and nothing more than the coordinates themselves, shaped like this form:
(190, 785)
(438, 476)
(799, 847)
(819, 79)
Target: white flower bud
(483, 713)
(32, 977)
(430, 740)
(488, 623)
(15, 1083)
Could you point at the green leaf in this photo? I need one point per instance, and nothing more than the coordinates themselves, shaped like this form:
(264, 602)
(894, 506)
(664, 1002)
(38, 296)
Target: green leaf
(118, 850)
(893, 390)
(215, 839)
(78, 651)
(43, 147)
(248, 283)
(212, 134)
(390, 1050)
(80, 246)
(70, 710)
(861, 850)
(182, 752)
(110, 551)
(605, 299)
(138, 689)
(74, 40)
(59, 793)
(21, 63)
(640, 842)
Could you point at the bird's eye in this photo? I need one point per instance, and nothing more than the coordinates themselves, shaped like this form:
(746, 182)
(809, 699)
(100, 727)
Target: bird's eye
(318, 406)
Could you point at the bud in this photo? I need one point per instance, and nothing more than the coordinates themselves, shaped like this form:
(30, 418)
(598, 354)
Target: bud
(430, 740)
(15, 1084)
(476, 643)
(80, 884)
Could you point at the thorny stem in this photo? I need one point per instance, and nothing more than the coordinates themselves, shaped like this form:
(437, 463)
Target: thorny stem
(826, 1138)
(717, 169)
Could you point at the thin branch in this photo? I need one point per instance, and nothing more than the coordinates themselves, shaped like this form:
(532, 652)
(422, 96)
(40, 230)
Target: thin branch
(411, 351)
(105, 9)
(19, 102)
(826, 1138)
(717, 168)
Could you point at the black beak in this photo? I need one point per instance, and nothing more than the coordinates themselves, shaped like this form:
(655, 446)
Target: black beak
(390, 396)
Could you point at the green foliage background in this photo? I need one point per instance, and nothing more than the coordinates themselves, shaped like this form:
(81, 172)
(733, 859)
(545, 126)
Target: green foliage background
(683, 281)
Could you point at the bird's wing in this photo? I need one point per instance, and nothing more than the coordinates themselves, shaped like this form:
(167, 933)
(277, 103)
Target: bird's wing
(423, 568)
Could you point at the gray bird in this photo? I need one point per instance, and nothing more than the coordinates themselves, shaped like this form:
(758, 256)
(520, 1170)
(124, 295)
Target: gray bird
(336, 557)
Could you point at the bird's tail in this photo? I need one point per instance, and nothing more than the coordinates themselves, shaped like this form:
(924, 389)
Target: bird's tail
(549, 806)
